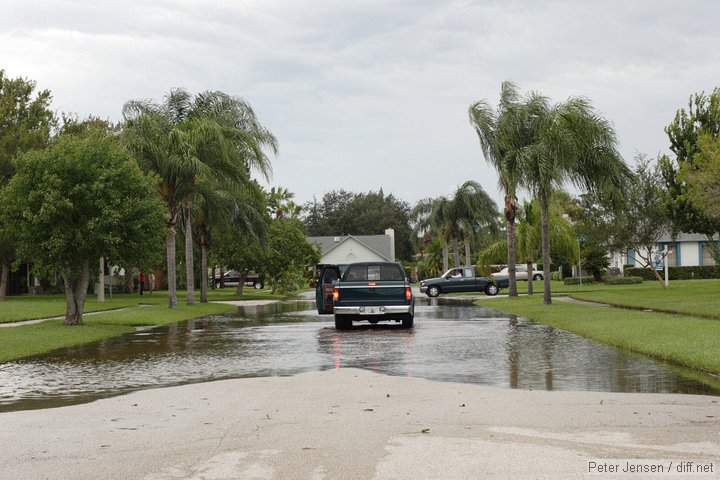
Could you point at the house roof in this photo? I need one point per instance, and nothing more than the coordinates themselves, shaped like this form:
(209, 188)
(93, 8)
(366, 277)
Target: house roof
(685, 237)
(379, 244)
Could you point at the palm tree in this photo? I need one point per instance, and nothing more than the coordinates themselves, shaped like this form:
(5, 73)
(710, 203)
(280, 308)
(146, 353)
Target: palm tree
(430, 215)
(570, 143)
(183, 140)
(501, 133)
(528, 236)
(280, 203)
(226, 205)
(472, 209)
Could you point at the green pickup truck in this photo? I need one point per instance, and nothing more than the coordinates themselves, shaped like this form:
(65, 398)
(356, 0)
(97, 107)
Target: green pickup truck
(373, 292)
(461, 279)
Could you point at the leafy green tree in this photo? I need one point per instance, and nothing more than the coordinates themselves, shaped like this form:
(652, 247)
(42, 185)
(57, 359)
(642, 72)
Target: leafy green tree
(596, 223)
(81, 198)
(645, 217)
(288, 256)
(25, 123)
(345, 213)
(184, 139)
(700, 120)
(702, 177)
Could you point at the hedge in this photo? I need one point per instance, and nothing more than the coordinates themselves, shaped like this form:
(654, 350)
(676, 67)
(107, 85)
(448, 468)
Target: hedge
(616, 280)
(677, 273)
(576, 280)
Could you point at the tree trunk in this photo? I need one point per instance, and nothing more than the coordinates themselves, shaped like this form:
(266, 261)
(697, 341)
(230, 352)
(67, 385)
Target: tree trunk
(172, 267)
(468, 260)
(510, 210)
(101, 281)
(446, 260)
(529, 266)
(4, 280)
(214, 269)
(189, 260)
(75, 294)
(650, 264)
(203, 270)
(456, 252)
(511, 258)
(544, 212)
(241, 285)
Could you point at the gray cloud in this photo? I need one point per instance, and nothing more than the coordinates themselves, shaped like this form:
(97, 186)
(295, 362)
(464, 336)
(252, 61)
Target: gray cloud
(368, 93)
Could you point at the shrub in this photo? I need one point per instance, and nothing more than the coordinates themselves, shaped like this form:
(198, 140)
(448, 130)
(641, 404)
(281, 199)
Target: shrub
(556, 276)
(677, 273)
(576, 280)
(615, 280)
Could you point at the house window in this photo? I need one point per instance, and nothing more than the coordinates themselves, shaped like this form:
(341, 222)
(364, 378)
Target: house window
(707, 258)
(671, 257)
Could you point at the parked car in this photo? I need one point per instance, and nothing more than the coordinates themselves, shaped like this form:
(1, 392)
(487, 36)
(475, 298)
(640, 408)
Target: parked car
(521, 273)
(372, 292)
(460, 279)
(232, 279)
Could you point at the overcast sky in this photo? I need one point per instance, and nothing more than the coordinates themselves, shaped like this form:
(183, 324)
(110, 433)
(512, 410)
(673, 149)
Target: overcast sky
(367, 94)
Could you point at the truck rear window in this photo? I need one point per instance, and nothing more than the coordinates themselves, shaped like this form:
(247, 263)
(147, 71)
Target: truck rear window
(374, 273)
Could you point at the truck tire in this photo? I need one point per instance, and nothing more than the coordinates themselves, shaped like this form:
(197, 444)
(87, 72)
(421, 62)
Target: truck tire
(433, 291)
(258, 285)
(491, 289)
(537, 276)
(342, 322)
(407, 321)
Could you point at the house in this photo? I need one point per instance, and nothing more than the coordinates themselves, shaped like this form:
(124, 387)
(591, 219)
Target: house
(356, 248)
(684, 250)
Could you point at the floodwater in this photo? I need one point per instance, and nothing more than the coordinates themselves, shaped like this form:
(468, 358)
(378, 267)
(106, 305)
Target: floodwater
(451, 341)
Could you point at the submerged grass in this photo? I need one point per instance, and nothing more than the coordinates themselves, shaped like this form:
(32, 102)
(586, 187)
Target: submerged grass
(146, 310)
(681, 339)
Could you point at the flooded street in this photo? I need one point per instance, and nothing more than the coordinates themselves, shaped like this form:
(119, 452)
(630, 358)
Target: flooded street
(456, 342)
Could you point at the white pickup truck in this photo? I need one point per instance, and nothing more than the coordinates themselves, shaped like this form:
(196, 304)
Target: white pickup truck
(521, 273)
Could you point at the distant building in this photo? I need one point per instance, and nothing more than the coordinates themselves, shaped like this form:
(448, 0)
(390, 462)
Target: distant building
(685, 250)
(356, 248)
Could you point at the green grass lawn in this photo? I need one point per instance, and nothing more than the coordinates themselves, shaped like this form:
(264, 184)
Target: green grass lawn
(682, 339)
(27, 340)
(31, 307)
(689, 297)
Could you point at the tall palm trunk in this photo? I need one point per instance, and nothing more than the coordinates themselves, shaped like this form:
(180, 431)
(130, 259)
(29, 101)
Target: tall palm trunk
(456, 252)
(171, 260)
(203, 241)
(75, 293)
(446, 260)
(468, 260)
(510, 211)
(545, 229)
(189, 260)
(529, 268)
(4, 280)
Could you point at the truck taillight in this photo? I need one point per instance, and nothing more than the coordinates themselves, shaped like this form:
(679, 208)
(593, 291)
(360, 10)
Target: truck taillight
(408, 293)
(336, 294)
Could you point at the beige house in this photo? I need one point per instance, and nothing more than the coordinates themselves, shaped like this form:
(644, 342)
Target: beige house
(356, 248)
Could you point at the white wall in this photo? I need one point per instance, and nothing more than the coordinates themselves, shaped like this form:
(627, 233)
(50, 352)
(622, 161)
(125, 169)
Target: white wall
(350, 251)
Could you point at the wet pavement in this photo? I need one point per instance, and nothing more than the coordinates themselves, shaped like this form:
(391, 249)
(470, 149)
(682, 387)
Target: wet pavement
(451, 341)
